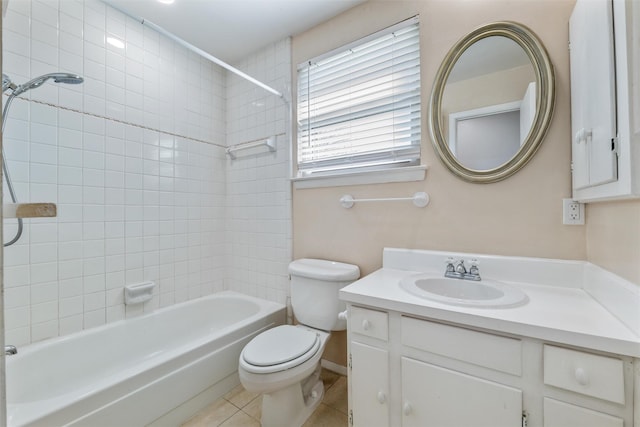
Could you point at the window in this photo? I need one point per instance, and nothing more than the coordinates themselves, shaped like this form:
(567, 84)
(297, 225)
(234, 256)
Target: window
(359, 106)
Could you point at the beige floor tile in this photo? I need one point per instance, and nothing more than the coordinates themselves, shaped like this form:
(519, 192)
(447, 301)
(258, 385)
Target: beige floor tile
(336, 395)
(240, 397)
(240, 419)
(218, 413)
(325, 416)
(254, 408)
(332, 412)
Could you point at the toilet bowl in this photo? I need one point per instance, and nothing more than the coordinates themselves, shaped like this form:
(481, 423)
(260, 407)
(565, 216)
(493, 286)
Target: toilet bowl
(283, 363)
(290, 385)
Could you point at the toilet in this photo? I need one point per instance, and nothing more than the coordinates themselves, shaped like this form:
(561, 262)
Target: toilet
(283, 363)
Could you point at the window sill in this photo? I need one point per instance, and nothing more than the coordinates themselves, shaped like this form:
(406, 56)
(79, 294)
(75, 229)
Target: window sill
(382, 176)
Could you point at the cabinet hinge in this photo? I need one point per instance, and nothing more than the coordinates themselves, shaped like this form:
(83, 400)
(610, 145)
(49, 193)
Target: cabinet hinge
(614, 145)
(351, 417)
(525, 419)
(350, 361)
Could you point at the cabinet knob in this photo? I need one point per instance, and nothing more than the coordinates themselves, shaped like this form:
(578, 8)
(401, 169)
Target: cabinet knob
(581, 376)
(381, 397)
(407, 409)
(366, 324)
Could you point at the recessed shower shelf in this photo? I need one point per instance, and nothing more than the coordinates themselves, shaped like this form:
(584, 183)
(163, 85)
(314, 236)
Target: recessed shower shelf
(29, 210)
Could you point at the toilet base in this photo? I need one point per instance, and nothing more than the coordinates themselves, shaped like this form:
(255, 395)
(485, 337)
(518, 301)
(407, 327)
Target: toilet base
(289, 407)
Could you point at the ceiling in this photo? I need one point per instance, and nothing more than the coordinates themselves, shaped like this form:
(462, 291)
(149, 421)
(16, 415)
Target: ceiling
(232, 29)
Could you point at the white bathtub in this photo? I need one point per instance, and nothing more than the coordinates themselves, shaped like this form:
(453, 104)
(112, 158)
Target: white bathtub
(137, 371)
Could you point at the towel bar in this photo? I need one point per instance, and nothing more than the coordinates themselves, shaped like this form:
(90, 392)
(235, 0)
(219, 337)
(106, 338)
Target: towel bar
(420, 199)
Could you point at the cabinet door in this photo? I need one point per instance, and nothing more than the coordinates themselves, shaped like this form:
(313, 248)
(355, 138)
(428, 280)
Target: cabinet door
(369, 376)
(439, 397)
(593, 98)
(560, 414)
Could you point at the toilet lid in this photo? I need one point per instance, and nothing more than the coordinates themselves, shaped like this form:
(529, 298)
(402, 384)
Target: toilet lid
(279, 345)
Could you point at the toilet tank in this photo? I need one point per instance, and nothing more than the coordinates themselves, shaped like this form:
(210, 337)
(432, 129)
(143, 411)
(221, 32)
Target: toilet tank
(314, 291)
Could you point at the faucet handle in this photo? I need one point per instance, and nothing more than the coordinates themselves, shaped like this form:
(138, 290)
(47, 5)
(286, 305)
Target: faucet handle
(474, 270)
(449, 262)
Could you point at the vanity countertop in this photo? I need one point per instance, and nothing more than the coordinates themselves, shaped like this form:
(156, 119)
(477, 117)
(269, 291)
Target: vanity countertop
(562, 314)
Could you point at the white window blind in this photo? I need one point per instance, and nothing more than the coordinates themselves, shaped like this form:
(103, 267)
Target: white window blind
(359, 106)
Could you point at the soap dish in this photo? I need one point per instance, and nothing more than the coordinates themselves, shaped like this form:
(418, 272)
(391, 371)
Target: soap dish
(138, 293)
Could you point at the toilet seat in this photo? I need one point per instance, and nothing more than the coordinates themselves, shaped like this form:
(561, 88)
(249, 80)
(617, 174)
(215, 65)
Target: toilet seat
(278, 349)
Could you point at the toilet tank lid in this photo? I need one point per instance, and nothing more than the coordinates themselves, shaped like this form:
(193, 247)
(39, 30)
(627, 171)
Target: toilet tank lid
(321, 269)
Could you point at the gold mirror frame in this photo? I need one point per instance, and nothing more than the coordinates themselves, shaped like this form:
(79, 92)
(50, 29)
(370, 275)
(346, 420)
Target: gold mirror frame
(545, 100)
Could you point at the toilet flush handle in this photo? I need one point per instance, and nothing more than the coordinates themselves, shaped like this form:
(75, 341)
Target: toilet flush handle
(343, 315)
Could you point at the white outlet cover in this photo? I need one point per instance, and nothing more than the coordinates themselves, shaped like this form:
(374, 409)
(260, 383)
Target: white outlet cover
(572, 212)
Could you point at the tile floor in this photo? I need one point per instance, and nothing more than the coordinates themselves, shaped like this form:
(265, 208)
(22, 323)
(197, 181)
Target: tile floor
(239, 408)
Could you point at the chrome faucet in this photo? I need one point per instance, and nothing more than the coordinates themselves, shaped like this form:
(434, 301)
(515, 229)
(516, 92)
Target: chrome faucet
(457, 270)
(10, 349)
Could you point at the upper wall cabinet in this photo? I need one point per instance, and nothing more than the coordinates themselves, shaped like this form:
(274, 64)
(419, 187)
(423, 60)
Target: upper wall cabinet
(604, 38)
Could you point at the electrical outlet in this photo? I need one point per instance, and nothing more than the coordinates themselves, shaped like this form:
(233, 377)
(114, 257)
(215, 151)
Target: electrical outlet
(572, 212)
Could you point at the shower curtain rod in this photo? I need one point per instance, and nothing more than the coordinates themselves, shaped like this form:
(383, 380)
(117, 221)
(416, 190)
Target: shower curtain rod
(197, 50)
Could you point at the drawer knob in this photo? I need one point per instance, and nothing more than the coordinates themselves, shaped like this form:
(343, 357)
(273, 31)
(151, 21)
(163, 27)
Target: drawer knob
(381, 397)
(366, 324)
(407, 409)
(581, 376)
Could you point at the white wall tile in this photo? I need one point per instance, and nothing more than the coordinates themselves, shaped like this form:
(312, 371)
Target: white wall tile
(44, 330)
(134, 204)
(258, 191)
(69, 325)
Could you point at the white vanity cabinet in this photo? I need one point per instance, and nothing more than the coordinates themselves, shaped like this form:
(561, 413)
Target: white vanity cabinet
(604, 46)
(414, 372)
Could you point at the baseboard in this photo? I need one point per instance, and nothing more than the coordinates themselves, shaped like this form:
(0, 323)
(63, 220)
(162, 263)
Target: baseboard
(334, 367)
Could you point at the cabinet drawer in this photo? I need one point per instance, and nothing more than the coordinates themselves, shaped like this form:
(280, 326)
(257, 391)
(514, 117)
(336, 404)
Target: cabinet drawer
(561, 414)
(585, 373)
(490, 351)
(371, 323)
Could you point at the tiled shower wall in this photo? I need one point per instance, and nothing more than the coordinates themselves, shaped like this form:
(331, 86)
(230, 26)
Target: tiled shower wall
(258, 188)
(134, 159)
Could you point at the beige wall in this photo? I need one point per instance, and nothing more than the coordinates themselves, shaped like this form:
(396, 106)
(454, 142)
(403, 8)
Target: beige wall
(519, 216)
(613, 237)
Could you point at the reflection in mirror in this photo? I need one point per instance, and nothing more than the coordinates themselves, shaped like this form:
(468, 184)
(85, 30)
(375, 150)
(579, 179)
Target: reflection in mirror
(486, 101)
(492, 102)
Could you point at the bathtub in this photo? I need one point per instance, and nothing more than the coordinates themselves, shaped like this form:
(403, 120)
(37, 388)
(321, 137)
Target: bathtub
(152, 369)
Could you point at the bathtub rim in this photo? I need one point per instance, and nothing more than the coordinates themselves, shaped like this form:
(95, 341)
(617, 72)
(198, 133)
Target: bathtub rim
(263, 304)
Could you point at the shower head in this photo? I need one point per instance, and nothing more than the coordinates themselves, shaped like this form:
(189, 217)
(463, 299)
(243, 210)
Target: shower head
(38, 81)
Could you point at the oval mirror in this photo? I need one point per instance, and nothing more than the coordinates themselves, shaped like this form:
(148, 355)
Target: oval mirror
(492, 102)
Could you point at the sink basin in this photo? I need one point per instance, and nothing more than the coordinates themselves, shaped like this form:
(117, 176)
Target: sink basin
(481, 294)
